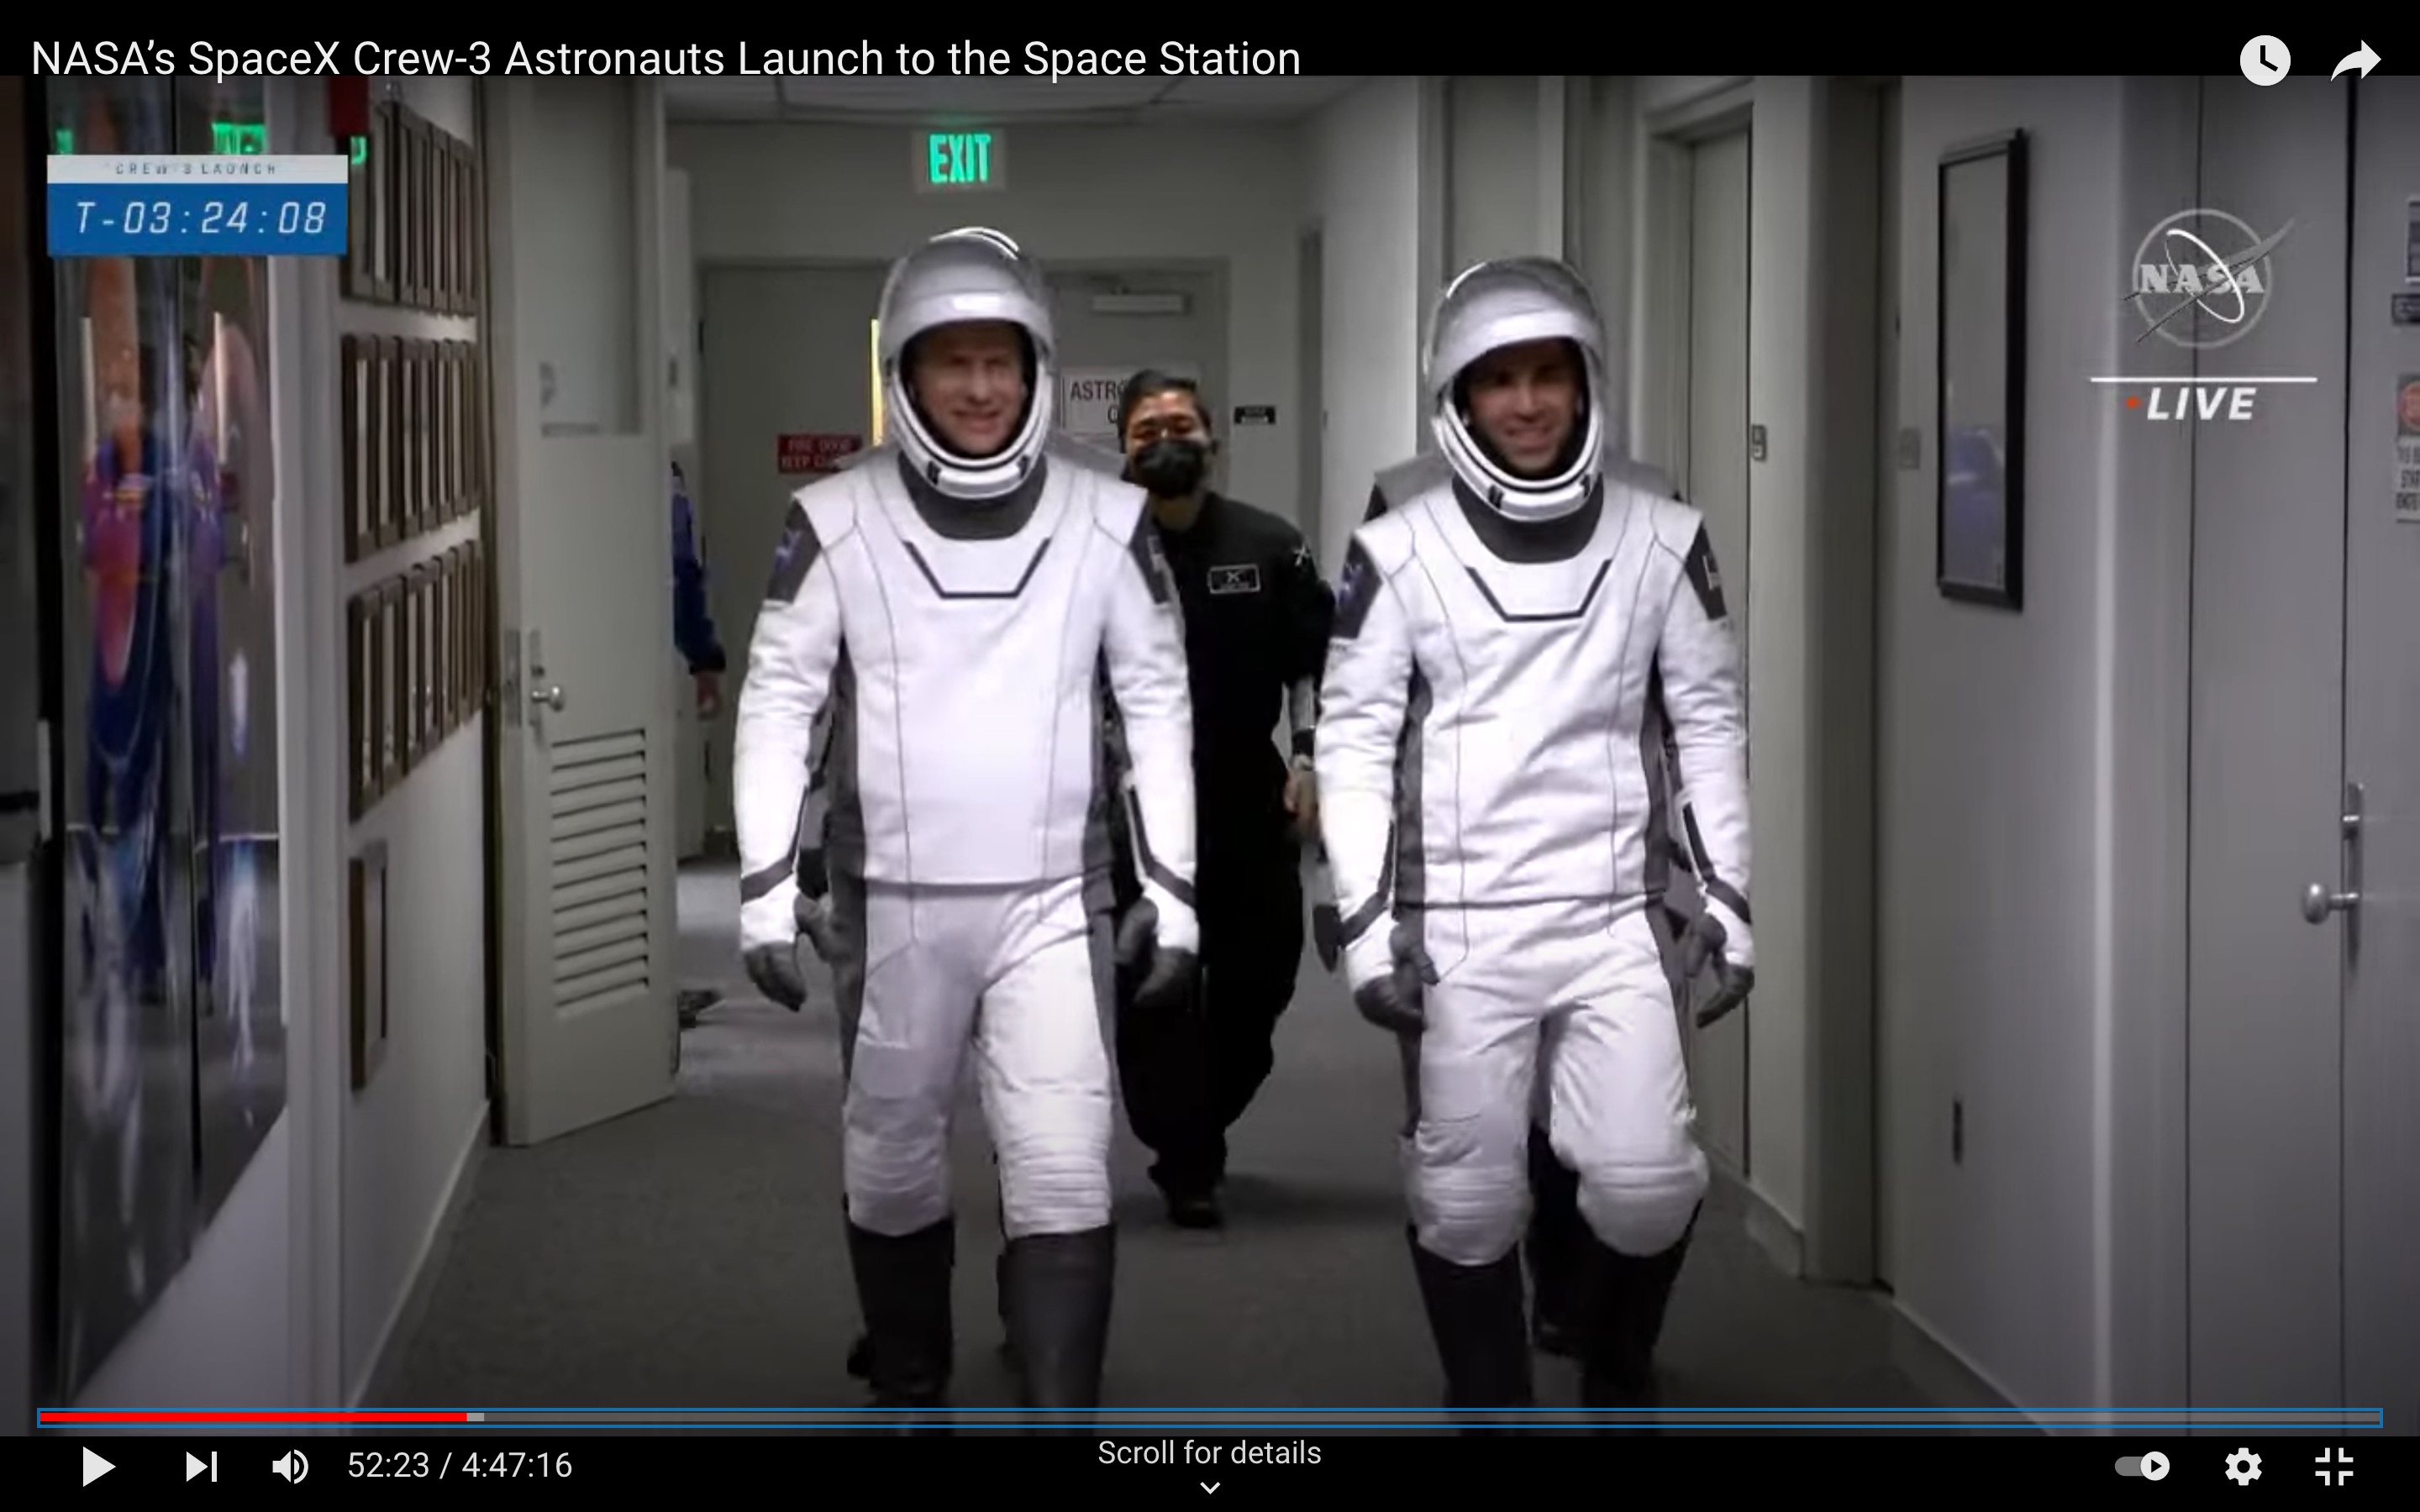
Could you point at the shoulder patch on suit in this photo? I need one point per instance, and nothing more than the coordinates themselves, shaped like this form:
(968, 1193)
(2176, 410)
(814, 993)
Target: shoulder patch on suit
(1706, 578)
(1357, 589)
(793, 557)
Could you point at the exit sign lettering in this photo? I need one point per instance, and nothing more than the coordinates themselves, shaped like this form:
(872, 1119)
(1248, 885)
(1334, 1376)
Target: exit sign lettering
(951, 161)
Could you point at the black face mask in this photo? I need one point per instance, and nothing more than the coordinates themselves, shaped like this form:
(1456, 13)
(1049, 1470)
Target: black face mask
(1170, 468)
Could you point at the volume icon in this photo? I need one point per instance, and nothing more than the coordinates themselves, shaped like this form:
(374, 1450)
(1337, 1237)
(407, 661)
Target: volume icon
(293, 1466)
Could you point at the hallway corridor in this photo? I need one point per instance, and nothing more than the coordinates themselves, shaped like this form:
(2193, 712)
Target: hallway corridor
(689, 1255)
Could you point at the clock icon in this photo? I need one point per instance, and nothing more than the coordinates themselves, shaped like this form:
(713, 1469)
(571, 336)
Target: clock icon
(2266, 60)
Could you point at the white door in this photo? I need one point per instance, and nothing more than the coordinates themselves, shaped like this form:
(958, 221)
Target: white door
(1716, 482)
(583, 590)
(2379, 936)
(2304, 1059)
(790, 351)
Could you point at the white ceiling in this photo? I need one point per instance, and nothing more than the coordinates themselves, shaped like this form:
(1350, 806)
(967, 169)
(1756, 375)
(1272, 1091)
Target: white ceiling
(949, 101)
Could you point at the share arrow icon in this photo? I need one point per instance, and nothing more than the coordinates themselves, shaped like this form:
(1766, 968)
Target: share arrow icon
(2361, 63)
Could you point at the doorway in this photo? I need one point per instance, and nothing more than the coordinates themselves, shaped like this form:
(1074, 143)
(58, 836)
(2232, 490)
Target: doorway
(1113, 322)
(786, 356)
(1712, 463)
(2303, 1064)
(788, 386)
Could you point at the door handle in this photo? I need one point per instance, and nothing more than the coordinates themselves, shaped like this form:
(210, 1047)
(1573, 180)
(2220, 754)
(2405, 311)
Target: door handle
(547, 697)
(2318, 900)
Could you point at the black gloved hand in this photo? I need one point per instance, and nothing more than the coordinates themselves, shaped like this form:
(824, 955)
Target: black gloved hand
(815, 917)
(1164, 981)
(774, 969)
(1701, 944)
(1396, 1001)
(1328, 934)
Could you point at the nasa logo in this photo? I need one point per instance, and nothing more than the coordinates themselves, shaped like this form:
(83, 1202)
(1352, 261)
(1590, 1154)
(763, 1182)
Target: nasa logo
(2192, 294)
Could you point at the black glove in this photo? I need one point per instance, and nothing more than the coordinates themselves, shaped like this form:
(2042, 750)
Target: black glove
(1395, 1000)
(1701, 944)
(774, 969)
(814, 914)
(1164, 981)
(1328, 934)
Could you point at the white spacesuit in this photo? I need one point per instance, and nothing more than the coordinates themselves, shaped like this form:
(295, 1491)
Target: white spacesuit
(959, 610)
(1509, 644)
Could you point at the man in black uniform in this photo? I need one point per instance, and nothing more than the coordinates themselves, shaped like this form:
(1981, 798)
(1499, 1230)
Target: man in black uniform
(1256, 625)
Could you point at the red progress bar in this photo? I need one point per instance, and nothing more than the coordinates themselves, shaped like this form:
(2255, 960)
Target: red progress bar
(266, 1418)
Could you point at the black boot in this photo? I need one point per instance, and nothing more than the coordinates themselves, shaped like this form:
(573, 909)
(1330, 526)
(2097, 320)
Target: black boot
(1552, 1250)
(1623, 1301)
(1056, 1290)
(1475, 1315)
(1000, 1287)
(903, 1285)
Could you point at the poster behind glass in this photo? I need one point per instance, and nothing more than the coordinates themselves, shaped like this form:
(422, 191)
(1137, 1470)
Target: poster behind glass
(174, 1035)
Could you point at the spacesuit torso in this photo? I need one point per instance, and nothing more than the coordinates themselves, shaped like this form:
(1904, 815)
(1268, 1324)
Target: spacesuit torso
(1511, 788)
(965, 734)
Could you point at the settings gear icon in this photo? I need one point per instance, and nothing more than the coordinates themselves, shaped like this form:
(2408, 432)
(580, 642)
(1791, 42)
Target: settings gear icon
(2244, 1467)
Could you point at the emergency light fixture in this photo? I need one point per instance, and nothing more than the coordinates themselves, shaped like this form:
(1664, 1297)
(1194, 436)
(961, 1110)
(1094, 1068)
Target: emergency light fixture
(1140, 305)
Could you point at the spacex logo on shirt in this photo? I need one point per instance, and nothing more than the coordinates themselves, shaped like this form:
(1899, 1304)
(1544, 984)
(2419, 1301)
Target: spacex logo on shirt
(1243, 578)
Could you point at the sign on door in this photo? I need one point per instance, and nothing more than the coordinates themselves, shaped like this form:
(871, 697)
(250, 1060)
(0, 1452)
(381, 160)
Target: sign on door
(1088, 397)
(814, 451)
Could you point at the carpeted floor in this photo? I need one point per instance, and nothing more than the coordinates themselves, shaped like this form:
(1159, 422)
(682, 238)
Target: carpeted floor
(691, 1255)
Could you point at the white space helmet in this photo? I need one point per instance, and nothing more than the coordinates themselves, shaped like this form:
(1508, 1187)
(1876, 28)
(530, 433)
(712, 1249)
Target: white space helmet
(960, 276)
(1504, 303)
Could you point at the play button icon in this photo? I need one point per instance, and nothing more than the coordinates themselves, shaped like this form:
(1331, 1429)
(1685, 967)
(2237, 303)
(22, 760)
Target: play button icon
(95, 1467)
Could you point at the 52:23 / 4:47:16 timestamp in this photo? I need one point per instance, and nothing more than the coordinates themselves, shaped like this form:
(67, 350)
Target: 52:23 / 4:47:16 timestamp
(442, 1464)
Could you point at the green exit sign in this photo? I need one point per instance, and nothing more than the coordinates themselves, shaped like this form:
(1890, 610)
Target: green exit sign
(950, 161)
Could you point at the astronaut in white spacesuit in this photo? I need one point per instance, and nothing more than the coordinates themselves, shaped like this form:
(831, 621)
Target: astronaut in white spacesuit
(959, 606)
(1511, 638)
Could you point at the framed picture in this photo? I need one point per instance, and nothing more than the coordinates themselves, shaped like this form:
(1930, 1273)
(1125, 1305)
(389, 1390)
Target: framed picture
(460, 370)
(405, 406)
(476, 459)
(386, 443)
(450, 240)
(449, 429)
(394, 701)
(432, 648)
(361, 514)
(366, 218)
(412, 225)
(424, 430)
(363, 699)
(474, 229)
(415, 667)
(457, 570)
(1979, 514)
(445, 688)
(432, 219)
(482, 649)
(365, 929)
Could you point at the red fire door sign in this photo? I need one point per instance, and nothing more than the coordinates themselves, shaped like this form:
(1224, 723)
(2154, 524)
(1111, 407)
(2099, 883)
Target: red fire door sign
(814, 451)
